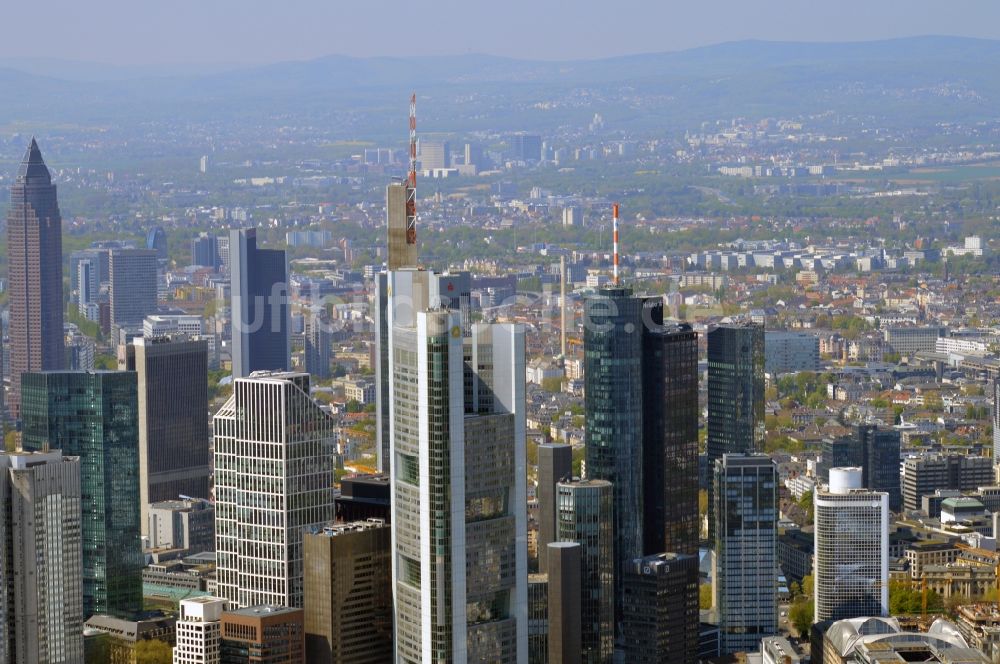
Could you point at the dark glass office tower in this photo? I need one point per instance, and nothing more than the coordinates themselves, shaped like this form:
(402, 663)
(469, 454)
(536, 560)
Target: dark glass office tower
(34, 268)
(94, 415)
(260, 312)
(746, 583)
(156, 239)
(735, 395)
(839, 452)
(660, 622)
(173, 430)
(585, 517)
(881, 463)
(613, 332)
(642, 424)
(555, 464)
(670, 439)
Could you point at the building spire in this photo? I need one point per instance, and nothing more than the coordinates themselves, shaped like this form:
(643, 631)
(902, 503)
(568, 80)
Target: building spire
(32, 164)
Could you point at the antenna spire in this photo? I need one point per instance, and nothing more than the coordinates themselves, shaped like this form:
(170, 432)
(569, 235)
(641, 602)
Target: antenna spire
(411, 183)
(614, 216)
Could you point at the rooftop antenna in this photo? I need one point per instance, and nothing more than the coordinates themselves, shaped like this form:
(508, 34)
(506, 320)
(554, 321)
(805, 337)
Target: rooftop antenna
(614, 218)
(411, 190)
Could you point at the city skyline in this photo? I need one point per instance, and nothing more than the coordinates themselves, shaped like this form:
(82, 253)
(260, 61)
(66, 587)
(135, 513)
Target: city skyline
(650, 358)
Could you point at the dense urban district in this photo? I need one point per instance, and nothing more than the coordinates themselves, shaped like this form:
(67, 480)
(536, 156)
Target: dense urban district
(563, 374)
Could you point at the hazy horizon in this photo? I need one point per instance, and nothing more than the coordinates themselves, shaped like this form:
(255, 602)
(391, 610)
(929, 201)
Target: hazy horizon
(229, 33)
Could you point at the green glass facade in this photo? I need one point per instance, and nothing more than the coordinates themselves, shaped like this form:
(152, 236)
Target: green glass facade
(613, 335)
(642, 425)
(94, 415)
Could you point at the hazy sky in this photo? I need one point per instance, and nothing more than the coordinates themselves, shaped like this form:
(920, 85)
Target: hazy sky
(254, 31)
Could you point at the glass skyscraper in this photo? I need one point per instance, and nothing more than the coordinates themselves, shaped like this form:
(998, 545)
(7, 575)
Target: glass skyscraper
(457, 460)
(584, 516)
(735, 395)
(173, 431)
(746, 583)
(642, 424)
(670, 440)
(94, 415)
(260, 309)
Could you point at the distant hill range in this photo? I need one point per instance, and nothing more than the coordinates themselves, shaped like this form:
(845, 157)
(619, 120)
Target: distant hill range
(918, 81)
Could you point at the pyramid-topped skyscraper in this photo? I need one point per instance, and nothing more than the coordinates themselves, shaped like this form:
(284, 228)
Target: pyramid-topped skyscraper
(34, 259)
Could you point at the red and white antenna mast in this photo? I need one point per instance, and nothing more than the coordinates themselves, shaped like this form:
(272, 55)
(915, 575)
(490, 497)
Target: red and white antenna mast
(614, 217)
(411, 181)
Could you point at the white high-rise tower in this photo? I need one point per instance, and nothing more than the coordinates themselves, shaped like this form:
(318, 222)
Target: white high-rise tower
(41, 558)
(457, 462)
(274, 449)
(852, 548)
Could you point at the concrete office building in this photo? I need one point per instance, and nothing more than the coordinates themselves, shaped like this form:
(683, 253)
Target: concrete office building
(908, 341)
(41, 589)
(555, 464)
(274, 450)
(746, 565)
(348, 597)
(264, 634)
(94, 416)
(133, 287)
(735, 396)
(924, 475)
(572, 216)
(123, 635)
(641, 412)
(34, 273)
(181, 524)
(434, 155)
(789, 352)
(260, 310)
(166, 325)
(660, 616)
(586, 517)
(458, 473)
(199, 630)
(173, 431)
(851, 568)
(564, 602)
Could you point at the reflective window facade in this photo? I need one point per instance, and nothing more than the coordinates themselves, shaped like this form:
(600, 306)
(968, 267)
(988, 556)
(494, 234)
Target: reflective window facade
(735, 395)
(94, 415)
(584, 513)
